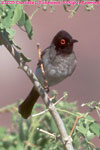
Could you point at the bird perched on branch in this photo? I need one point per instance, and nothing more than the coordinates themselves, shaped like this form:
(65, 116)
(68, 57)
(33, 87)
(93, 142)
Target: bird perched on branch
(59, 62)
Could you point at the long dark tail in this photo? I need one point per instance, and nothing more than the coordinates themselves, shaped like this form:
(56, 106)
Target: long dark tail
(25, 108)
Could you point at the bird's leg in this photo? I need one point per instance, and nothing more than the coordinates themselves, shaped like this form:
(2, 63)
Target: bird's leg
(46, 87)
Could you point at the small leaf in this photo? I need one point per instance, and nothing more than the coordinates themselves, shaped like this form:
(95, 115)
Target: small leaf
(89, 7)
(26, 59)
(20, 146)
(11, 148)
(10, 15)
(84, 126)
(90, 135)
(2, 131)
(11, 33)
(17, 46)
(21, 22)
(81, 129)
(28, 27)
(95, 128)
(17, 14)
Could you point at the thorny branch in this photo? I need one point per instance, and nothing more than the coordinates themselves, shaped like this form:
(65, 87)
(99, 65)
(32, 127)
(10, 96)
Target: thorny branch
(21, 60)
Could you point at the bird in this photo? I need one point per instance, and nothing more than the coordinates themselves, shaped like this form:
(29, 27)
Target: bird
(59, 62)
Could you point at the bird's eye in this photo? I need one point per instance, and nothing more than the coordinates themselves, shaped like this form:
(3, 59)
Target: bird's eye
(62, 42)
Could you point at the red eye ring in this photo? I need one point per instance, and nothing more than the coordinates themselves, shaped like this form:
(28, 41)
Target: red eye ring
(62, 42)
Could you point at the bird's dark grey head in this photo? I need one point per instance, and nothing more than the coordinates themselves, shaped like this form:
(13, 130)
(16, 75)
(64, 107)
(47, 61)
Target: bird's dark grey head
(63, 42)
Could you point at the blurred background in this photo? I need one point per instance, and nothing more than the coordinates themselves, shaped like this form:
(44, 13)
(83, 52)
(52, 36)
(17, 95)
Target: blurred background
(83, 85)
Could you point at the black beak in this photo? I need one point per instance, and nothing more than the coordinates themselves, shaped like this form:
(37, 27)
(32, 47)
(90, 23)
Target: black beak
(73, 41)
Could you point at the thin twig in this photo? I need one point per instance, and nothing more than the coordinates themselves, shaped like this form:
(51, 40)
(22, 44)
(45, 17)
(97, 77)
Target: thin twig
(46, 110)
(65, 95)
(74, 126)
(74, 10)
(46, 132)
(41, 113)
(35, 11)
(8, 108)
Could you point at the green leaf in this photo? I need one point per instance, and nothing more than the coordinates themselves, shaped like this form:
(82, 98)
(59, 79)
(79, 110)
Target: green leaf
(84, 127)
(28, 27)
(16, 46)
(11, 148)
(24, 20)
(90, 135)
(17, 14)
(21, 131)
(89, 7)
(6, 22)
(9, 138)
(2, 131)
(20, 146)
(11, 33)
(26, 59)
(2, 148)
(21, 21)
(10, 14)
(95, 128)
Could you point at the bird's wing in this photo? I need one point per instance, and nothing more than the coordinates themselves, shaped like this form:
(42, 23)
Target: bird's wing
(42, 54)
(44, 51)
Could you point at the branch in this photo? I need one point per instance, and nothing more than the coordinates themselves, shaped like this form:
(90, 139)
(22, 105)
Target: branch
(21, 60)
(46, 110)
(9, 108)
(46, 132)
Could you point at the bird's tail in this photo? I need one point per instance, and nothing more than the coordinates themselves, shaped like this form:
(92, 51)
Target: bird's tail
(25, 108)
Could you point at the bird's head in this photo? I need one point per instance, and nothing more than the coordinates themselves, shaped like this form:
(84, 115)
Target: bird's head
(63, 42)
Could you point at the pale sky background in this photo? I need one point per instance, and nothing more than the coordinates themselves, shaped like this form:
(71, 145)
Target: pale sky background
(83, 85)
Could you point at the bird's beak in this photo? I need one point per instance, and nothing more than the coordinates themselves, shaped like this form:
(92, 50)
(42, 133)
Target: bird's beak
(73, 41)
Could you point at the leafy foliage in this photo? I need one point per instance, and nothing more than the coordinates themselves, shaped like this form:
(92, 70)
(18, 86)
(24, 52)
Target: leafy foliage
(26, 136)
(10, 14)
(13, 14)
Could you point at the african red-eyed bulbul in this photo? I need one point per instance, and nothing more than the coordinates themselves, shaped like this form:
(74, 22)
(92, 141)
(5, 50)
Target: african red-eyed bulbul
(59, 62)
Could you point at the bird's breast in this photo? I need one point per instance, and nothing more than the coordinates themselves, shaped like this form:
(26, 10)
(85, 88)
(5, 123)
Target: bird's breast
(58, 69)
